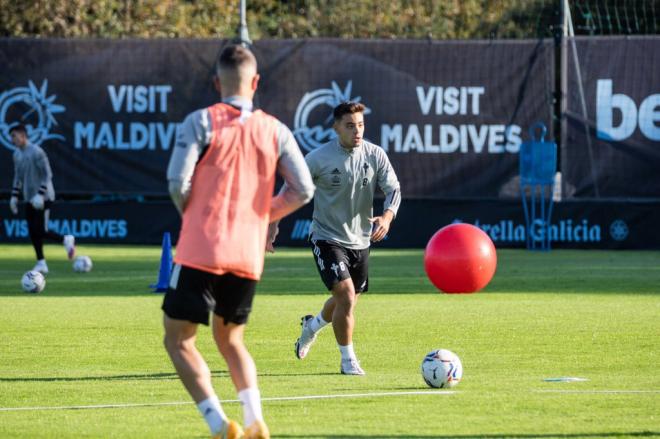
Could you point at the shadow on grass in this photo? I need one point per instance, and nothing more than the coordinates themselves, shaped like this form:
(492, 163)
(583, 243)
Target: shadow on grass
(483, 436)
(143, 377)
(146, 377)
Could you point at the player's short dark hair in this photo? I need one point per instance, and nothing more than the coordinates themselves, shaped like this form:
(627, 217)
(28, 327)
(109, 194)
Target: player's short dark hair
(234, 56)
(347, 108)
(18, 127)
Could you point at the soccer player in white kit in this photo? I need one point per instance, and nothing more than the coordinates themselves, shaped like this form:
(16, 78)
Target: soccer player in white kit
(346, 172)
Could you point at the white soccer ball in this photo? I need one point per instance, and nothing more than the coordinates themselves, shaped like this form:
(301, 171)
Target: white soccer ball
(33, 282)
(442, 369)
(82, 264)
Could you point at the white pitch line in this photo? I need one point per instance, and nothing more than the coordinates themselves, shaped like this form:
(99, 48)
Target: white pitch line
(360, 395)
(275, 398)
(595, 391)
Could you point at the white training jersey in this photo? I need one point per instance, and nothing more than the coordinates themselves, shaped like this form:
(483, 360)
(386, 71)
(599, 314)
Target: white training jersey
(346, 182)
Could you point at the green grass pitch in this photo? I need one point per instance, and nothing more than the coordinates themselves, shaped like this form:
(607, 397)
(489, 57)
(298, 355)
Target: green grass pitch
(96, 340)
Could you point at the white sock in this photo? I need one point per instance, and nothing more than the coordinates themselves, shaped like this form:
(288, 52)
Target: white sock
(41, 261)
(251, 401)
(213, 414)
(317, 323)
(347, 352)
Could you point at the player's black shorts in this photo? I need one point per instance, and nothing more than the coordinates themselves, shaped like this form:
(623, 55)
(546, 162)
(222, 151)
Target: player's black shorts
(336, 263)
(193, 293)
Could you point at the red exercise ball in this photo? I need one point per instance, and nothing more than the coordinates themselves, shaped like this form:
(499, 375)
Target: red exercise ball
(460, 258)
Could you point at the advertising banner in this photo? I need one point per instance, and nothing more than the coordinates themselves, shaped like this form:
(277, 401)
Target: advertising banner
(575, 224)
(612, 147)
(450, 114)
(105, 222)
(105, 111)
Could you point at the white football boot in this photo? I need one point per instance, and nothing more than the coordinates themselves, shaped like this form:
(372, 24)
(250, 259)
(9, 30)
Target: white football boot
(41, 267)
(351, 366)
(70, 245)
(307, 338)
